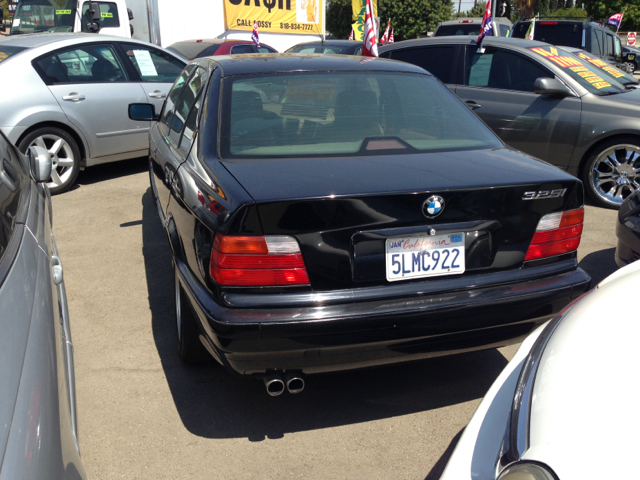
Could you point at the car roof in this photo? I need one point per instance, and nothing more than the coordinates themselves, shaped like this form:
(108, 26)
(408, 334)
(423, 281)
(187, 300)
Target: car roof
(215, 41)
(461, 20)
(305, 62)
(35, 40)
(465, 40)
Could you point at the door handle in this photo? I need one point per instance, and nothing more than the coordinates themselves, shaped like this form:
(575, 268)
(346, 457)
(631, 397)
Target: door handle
(158, 94)
(56, 269)
(73, 97)
(472, 104)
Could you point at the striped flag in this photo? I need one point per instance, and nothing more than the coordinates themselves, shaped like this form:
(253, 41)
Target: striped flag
(370, 44)
(391, 37)
(351, 35)
(254, 35)
(385, 38)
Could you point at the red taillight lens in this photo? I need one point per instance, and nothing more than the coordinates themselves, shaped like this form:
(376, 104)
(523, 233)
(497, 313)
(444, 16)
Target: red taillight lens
(257, 261)
(557, 233)
(548, 23)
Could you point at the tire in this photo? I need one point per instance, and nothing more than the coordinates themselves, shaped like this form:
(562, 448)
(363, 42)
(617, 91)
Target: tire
(65, 155)
(612, 171)
(190, 349)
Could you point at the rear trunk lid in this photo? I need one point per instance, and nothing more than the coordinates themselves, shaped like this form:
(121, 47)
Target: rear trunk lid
(347, 212)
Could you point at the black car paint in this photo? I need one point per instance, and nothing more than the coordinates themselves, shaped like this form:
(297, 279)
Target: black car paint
(350, 316)
(628, 231)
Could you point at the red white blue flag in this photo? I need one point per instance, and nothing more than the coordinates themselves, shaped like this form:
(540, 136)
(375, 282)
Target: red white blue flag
(370, 43)
(615, 20)
(486, 28)
(254, 35)
(351, 35)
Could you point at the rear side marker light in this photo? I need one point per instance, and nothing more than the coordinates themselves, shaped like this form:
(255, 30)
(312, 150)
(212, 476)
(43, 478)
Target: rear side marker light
(557, 233)
(257, 261)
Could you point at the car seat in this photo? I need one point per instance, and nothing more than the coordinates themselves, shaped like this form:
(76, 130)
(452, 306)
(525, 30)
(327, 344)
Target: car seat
(103, 70)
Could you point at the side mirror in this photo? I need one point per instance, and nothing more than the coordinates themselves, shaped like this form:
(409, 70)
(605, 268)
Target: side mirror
(93, 17)
(40, 163)
(551, 86)
(143, 112)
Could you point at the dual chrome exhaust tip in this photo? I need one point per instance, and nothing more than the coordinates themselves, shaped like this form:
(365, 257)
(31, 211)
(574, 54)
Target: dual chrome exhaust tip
(276, 383)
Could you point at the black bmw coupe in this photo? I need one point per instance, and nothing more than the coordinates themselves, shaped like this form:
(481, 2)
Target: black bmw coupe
(329, 213)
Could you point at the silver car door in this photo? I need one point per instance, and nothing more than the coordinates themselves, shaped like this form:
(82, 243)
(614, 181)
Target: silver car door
(498, 87)
(157, 70)
(94, 91)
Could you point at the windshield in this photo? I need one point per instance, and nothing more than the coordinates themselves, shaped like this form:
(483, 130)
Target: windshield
(34, 16)
(460, 29)
(345, 114)
(582, 71)
(556, 33)
(607, 70)
(6, 51)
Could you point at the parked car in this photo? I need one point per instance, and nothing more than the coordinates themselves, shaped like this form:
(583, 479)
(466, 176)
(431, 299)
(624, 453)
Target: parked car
(562, 397)
(544, 101)
(66, 92)
(628, 231)
(580, 33)
(340, 47)
(630, 55)
(191, 49)
(38, 420)
(471, 26)
(328, 214)
(606, 70)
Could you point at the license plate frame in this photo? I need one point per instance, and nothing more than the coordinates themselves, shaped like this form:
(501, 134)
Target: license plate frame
(410, 258)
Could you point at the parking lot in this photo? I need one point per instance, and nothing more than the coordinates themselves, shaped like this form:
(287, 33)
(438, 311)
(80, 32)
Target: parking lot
(143, 414)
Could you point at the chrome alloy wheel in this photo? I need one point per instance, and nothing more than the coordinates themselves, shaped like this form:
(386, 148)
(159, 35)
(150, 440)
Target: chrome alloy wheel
(615, 173)
(631, 67)
(62, 158)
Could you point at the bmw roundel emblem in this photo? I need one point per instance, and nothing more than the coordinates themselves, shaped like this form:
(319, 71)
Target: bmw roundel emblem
(433, 206)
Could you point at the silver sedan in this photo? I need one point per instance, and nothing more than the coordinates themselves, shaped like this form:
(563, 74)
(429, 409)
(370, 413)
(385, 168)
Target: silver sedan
(69, 93)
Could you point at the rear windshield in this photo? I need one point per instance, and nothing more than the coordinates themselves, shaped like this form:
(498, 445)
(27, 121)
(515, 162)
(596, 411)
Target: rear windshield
(555, 33)
(460, 29)
(345, 114)
(6, 51)
(580, 70)
(319, 48)
(191, 50)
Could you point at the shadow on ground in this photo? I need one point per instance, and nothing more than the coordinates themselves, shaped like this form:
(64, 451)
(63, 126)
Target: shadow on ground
(213, 403)
(436, 471)
(599, 265)
(108, 171)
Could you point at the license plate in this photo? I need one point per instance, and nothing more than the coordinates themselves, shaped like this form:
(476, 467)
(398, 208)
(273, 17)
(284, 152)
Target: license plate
(631, 57)
(428, 256)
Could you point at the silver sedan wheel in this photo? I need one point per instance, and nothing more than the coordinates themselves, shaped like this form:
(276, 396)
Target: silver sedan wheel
(62, 158)
(631, 67)
(615, 173)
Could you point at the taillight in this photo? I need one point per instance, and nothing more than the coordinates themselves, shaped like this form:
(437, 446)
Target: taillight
(257, 261)
(557, 233)
(548, 23)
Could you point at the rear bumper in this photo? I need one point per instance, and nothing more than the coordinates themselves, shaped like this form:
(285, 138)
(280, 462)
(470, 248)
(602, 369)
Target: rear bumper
(349, 335)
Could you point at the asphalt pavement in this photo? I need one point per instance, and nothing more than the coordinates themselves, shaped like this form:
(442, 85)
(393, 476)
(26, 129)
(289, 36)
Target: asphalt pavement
(143, 414)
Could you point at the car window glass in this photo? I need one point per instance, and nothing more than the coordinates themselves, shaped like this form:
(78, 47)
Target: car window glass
(240, 49)
(498, 68)
(108, 15)
(305, 50)
(6, 51)
(436, 60)
(153, 65)
(10, 180)
(460, 29)
(600, 37)
(173, 97)
(87, 64)
(190, 128)
(617, 47)
(184, 105)
(595, 44)
(609, 45)
(344, 114)
(504, 29)
(358, 51)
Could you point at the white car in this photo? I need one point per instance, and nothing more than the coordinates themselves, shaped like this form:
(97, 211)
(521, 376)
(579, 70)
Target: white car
(564, 407)
(69, 93)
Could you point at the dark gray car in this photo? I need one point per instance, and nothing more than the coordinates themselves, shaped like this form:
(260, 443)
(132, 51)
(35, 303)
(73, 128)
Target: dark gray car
(544, 101)
(38, 434)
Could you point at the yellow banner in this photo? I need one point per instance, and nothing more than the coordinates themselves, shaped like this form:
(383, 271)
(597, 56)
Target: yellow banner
(277, 16)
(359, 12)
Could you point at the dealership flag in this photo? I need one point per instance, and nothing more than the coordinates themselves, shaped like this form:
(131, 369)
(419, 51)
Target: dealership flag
(531, 30)
(615, 20)
(370, 45)
(351, 35)
(385, 38)
(391, 36)
(254, 35)
(486, 28)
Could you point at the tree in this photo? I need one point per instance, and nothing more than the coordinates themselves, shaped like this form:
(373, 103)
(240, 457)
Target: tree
(5, 4)
(601, 10)
(525, 8)
(339, 18)
(478, 10)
